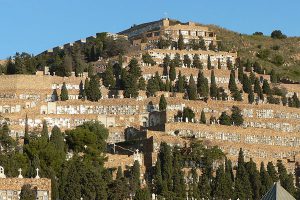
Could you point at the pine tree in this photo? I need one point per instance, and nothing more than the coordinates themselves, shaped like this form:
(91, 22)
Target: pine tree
(224, 119)
(180, 83)
(180, 42)
(272, 172)
(209, 67)
(26, 134)
(187, 61)
(266, 87)
(64, 92)
(44, 133)
(202, 85)
(213, 86)
(172, 72)
(93, 90)
(197, 62)
(202, 117)
(162, 103)
(192, 89)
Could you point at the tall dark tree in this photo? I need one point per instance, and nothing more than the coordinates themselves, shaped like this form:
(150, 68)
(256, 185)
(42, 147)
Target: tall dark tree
(142, 83)
(108, 77)
(44, 133)
(162, 103)
(180, 42)
(26, 134)
(246, 84)
(180, 83)
(64, 92)
(224, 119)
(266, 87)
(202, 117)
(93, 90)
(172, 72)
(202, 44)
(57, 138)
(27, 193)
(202, 85)
(197, 62)
(266, 180)
(209, 66)
(192, 89)
(232, 84)
(213, 86)
(81, 94)
(187, 61)
(166, 64)
(177, 60)
(67, 66)
(236, 116)
(250, 97)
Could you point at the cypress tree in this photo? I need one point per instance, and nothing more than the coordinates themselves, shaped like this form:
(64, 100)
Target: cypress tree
(166, 64)
(167, 86)
(248, 66)
(213, 86)
(254, 178)
(67, 65)
(236, 116)
(202, 85)
(172, 72)
(219, 64)
(57, 138)
(27, 193)
(180, 42)
(93, 90)
(224, 119)
(246, 84)
(187, 61)
(158, 177)
(273, 76)
(142, 83)
(237, 96)
(266, 87)
(64, 92)
(272, 172)
(197, 62)
(192, 89)
(162, 103)
(180, 83)
(44, 133)
(250, 97)
(232, 85)
(222, 187)
(177, 60)
(54, 96)
(295, 101)
(108, 78)
(240, 73)
(119, 173)
(130, 86)
(152, 86)
(252, 78)
(256, 85)
(202, 44)
(204, 186)
(135, 176)
(178, 178)
(166, 165)
(266, 180)
(209, 67)
(26, 134)
(81, 90)
(134, 69)
(202, 117)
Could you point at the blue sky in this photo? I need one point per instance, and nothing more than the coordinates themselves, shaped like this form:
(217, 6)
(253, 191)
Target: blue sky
(36, 25)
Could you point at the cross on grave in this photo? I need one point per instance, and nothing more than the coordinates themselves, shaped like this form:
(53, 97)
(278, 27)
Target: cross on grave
(37, 173)
(20, 173)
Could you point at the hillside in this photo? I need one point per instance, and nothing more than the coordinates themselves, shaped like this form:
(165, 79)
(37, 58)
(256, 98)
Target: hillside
(271, 50)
